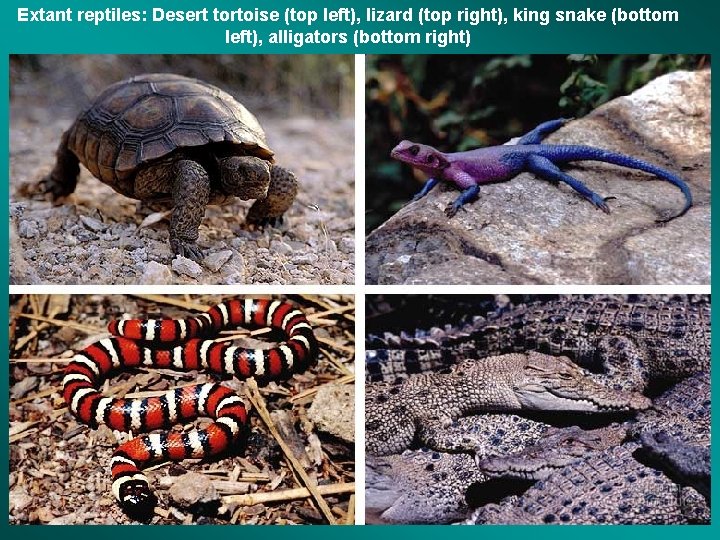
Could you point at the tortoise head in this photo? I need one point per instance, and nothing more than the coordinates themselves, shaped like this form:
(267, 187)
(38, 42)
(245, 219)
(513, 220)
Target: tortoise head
(247, 177)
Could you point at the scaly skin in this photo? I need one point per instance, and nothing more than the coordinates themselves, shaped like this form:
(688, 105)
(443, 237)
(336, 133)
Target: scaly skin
(687, 464)
(468, 170)
(682, 411)
(630, 343)
(426, 486)
(419, 486)
(607, 487)
(427, 404)
(556, 449)
(674, 433)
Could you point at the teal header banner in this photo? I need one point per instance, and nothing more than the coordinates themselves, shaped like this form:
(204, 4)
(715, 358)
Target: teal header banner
(371, 26)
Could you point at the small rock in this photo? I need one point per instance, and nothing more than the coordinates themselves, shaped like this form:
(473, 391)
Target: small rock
(45, 515)
(304, 232)
(347, 244)
(67, 519)
(28, 229)
(215, 261)
(19, 500)
(17, 209)
(333, 411)
(193, 488)
(114, 257)
(139, 255)
(305, 258)
(93, 224)
(185, 266)
(281, 247)
(156, 274)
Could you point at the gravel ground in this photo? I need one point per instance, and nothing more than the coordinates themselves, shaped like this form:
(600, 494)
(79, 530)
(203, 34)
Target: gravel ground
(59, 468)
(98, 236)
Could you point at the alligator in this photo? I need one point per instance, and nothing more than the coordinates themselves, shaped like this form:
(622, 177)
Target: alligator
(425, 405)
(682, 411)
(687, 464)
(557, 449)
(672, 438)
(418, 486)
(607, 487)
(630, 343)
(674, 431)
(427, 486)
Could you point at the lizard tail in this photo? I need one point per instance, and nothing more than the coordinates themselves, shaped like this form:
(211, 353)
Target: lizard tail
(565, 153)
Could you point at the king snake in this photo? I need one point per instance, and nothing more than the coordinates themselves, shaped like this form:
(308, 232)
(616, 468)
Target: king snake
(179, 344)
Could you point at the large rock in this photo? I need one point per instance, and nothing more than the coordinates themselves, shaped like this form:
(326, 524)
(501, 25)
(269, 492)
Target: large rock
(529, 231)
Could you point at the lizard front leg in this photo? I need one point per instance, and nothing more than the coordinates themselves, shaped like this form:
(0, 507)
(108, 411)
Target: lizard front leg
(547, 170)
(465, 197)
(464, 181)
(431, 183)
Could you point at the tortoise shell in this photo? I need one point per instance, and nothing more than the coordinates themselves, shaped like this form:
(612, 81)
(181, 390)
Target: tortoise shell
(147, 117)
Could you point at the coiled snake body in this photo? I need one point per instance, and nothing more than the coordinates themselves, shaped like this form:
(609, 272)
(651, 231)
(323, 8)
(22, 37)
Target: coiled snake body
(181, 344)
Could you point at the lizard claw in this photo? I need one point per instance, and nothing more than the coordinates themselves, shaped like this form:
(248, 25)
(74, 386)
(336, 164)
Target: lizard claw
(451, 210)
(601, 203)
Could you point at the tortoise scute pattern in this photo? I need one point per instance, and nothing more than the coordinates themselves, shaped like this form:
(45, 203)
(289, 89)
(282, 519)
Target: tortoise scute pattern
(147, 117)
(168, 138)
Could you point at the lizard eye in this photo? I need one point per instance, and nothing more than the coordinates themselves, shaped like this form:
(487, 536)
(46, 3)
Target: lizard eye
(414, 150)
(430, 158)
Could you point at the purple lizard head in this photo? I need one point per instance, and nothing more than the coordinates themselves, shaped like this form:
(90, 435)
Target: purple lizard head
(421, 156)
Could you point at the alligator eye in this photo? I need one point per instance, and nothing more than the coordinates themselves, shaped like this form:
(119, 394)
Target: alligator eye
(414, 150)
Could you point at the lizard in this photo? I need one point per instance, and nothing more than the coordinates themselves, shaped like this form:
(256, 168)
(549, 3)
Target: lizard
(607, 487)
(631, 343)
(468, 170)
(425, 405)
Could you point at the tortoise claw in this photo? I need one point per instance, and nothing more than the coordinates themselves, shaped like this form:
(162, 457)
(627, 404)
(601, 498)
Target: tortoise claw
(187, 249)
(49, 186)
(261, 223)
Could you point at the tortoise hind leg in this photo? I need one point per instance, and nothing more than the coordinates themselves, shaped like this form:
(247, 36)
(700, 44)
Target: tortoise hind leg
(62, 180)
(280, 196)
(189, 184)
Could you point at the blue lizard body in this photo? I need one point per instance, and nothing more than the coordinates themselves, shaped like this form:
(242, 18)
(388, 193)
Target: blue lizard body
(468, 170)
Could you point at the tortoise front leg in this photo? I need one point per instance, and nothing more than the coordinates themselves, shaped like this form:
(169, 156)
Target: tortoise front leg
(280, 196)
(190, 194)
(62, 180)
